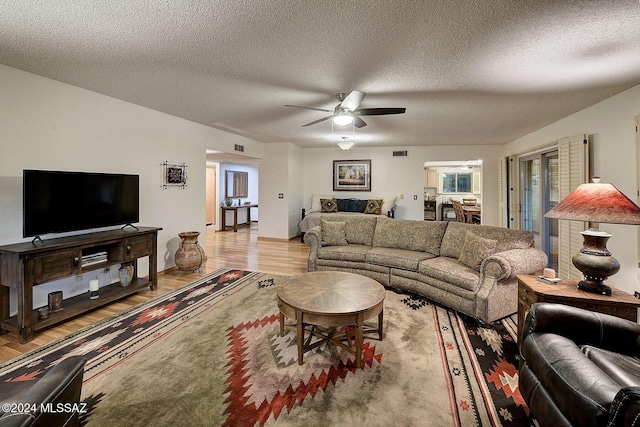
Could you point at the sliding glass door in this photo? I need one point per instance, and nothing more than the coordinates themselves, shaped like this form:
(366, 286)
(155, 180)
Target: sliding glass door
(538, 194)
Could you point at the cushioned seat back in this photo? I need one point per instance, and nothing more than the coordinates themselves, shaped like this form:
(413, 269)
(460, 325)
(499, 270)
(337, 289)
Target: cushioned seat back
(358, 230)
(407, 234)
(506, 238)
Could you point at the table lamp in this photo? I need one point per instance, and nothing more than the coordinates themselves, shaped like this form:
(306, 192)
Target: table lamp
(596, 202)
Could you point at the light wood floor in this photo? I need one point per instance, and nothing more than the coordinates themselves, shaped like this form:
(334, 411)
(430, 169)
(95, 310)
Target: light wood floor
(224, 249)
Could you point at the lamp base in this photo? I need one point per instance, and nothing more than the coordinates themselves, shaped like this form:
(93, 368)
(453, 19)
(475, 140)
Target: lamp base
(595, 262)
(594, 286)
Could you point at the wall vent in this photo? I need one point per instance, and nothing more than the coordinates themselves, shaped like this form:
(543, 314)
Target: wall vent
(399, 154)
(239, 148)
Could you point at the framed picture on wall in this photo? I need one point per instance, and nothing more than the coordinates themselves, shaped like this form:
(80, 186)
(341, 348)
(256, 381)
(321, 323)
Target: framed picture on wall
(352, 175)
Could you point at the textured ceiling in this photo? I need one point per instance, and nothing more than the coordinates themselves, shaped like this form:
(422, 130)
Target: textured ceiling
(468, 72)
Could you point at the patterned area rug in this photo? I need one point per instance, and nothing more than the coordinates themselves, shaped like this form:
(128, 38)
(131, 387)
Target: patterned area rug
(210, 354)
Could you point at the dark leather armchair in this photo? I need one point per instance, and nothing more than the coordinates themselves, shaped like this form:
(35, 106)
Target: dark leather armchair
(580, 368)
(60, 388)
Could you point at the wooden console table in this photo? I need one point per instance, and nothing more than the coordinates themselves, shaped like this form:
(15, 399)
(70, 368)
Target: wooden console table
(532, 290)
(235, 209)
(25, 265)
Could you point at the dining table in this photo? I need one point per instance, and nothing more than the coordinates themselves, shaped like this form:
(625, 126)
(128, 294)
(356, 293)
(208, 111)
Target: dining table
(470, 211)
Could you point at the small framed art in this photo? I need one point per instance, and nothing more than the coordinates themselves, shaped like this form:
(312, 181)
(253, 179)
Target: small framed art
(175, 175)
(352, 175)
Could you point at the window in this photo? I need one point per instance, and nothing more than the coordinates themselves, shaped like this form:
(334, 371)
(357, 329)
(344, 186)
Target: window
(457, 182)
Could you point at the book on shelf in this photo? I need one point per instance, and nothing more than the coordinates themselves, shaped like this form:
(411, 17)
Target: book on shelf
(94, 258)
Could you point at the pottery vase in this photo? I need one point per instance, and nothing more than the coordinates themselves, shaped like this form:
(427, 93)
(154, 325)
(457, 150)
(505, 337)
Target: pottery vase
(126, 275)
(190, 255)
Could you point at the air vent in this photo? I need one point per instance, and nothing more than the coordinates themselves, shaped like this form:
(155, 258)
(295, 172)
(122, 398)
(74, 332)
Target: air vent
(239, 148)
(399, 154)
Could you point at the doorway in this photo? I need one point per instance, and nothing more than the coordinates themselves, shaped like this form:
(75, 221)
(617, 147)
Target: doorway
(540, 193)
(211, 197)
(448, 181)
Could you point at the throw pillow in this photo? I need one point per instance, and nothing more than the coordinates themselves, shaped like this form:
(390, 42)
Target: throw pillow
(374, 206)
(475, 249)
(351, 205)
(315, 201)
(328, 205)
(333, 233)
(388, 204)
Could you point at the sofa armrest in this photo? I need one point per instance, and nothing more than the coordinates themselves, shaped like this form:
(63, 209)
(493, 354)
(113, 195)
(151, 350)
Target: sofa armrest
(507, 264)
(625, 408)
(583, 327)
(313, 238)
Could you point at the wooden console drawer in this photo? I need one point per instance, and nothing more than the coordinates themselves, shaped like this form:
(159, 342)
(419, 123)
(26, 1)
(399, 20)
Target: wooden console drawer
(137, 247)
(526, 297)
(56, 265)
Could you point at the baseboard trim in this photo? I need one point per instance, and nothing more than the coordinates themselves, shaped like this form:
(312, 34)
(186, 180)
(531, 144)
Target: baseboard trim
(276, 239)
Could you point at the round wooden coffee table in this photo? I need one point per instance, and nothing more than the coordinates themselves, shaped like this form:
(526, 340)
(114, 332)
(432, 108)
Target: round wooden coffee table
(340, 302)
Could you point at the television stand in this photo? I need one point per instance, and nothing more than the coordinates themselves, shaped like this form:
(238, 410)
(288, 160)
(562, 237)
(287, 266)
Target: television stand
(25, 265)
(129, 225)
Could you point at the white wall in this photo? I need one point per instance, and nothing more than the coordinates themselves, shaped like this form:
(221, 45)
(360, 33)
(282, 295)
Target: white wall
(274, 176)
(395, 176)
(611, 125)
(295, 188)
(46, 124)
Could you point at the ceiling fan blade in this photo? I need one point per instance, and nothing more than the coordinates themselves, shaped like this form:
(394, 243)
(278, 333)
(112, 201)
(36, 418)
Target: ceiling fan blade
(353, 100)
(379, 111)
(317, 121)
(358, 122)
(309, 108)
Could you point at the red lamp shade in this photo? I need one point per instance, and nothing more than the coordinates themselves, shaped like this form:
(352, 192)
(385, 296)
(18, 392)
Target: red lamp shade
(596, 202)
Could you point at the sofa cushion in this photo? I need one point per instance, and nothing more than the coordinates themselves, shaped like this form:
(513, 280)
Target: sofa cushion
(374, 206)
(453, 239)
(333, 233)
(412, 235)
(475, 250)
(360, 230)
(399, 258)
(328, 205)
(355, 253)
(451, 271)
(624, 369)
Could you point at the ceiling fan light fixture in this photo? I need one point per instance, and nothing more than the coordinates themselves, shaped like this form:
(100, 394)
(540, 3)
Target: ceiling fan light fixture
(345, 145)
(342, 119)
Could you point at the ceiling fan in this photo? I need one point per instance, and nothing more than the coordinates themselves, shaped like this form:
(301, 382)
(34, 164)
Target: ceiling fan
(347, 111)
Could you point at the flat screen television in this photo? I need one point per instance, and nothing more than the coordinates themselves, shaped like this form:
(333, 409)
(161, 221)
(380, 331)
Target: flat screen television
(57, 201)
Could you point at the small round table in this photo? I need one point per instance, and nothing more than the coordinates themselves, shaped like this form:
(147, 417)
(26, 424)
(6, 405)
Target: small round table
(334, 300)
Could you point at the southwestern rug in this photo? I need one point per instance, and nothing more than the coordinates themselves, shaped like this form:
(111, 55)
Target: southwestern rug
(210, 354)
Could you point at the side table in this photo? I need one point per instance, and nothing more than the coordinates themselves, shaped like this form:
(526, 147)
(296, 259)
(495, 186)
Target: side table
(532, 290)
(234, 209)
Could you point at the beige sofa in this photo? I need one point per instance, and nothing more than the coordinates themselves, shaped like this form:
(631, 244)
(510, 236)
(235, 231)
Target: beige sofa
(469, 268)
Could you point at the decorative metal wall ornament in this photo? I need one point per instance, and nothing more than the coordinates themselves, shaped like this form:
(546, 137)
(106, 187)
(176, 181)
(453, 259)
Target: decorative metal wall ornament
(174, 175)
